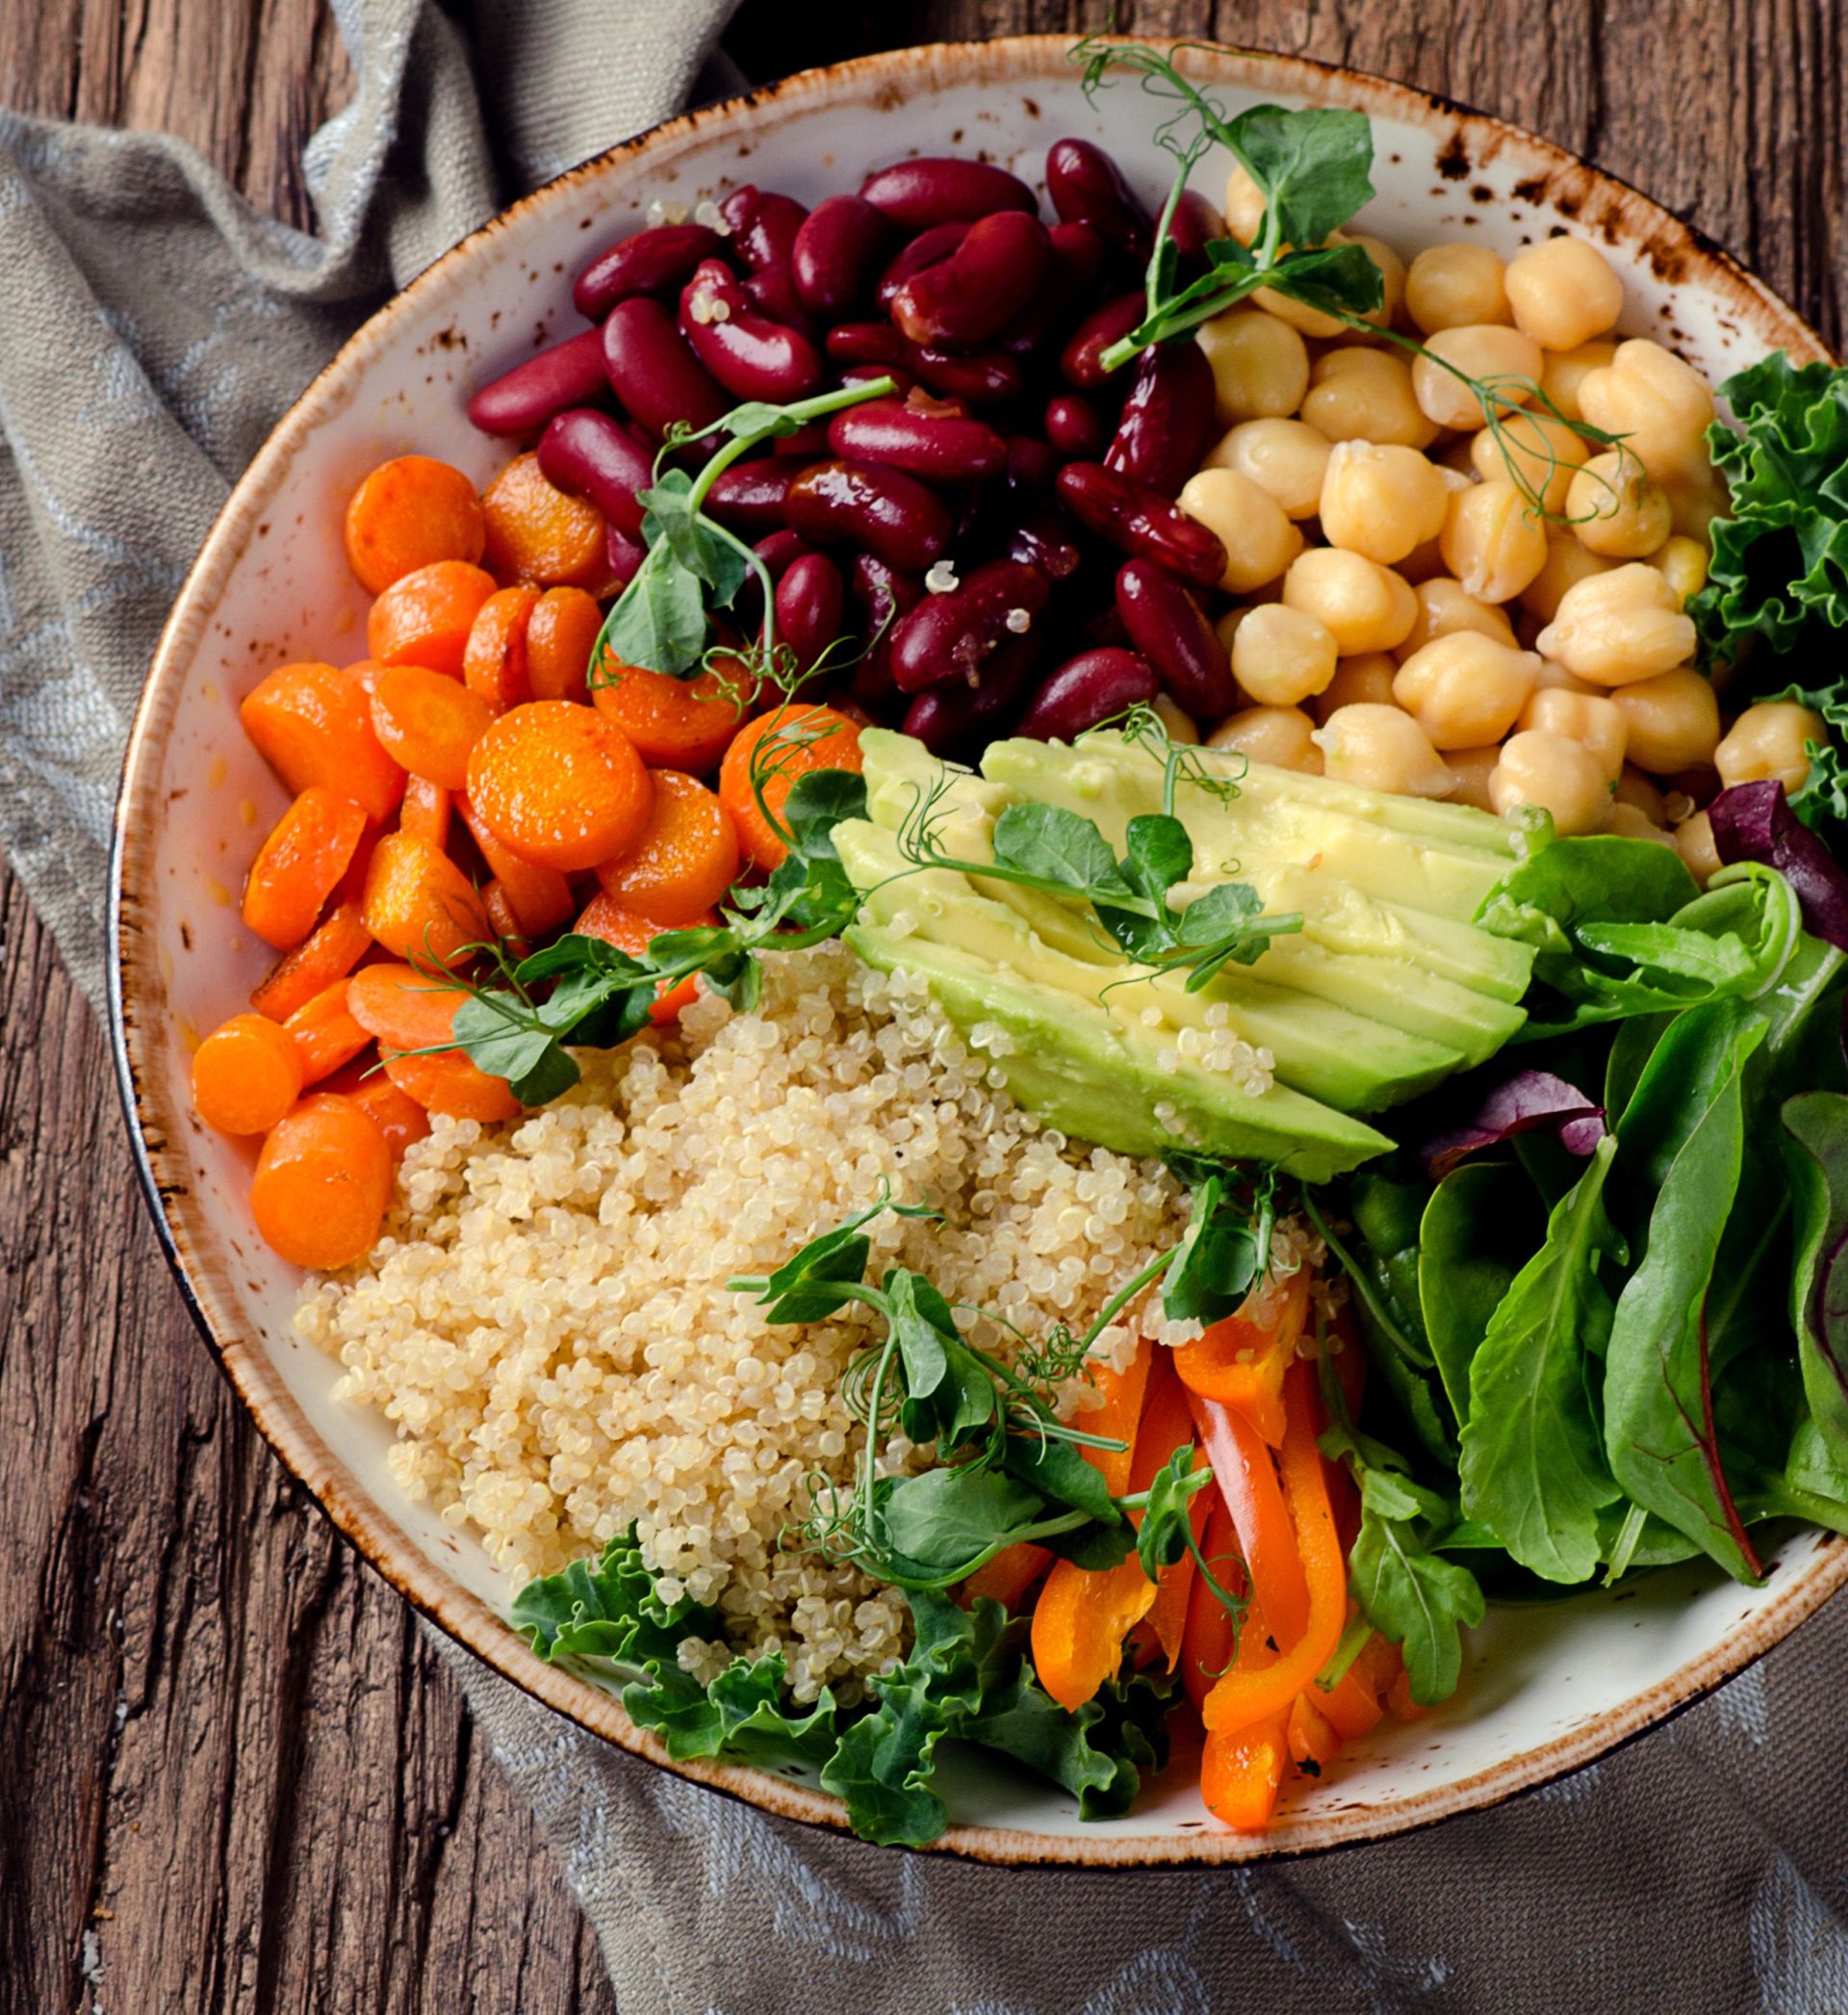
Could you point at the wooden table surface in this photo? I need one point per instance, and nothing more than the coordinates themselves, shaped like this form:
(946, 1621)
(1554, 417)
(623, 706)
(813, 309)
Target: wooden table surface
(232, 1775)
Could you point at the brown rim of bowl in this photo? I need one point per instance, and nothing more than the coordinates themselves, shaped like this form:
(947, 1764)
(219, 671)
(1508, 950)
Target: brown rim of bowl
(1675, 248)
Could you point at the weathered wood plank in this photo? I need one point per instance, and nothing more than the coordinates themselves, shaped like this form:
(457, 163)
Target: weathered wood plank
(224, 1749)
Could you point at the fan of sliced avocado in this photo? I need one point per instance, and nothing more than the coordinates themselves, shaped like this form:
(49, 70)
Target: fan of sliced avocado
(1388, 989)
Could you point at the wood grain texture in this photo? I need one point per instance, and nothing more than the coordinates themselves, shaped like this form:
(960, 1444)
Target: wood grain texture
(232, 1776)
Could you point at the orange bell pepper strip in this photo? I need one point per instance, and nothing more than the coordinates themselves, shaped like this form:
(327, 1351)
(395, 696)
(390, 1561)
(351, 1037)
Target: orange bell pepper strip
(1206, 1647)
(1242, 1698)
(1350, 1706)
(1166, 1424)
(1242, 1769)
(1247, 1477)
(1243, 1364)
(1314, 1739)
(1007, 1578)
(1079, 1624)
(1123, 1393)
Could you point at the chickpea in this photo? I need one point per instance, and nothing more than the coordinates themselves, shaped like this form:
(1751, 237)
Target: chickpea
(1464, 689)
(1682, 563)
(1364, 679)
(1661, 405)
(1364, 606)
(1286, 458)
(1180, 725)
(1366, 395)
(1565, 372)
(1280, 656)
(1617, 628)
(1768, 741)
(1629, 822)
(1694, 843)
(1383, 749)
(1380, 501)
(1567, 561)
(1482, 349)
(1553, 677)
(1494, 541)
(1616, 509)
(1259, 540)
(1260, 366)
(1636, 789)
(1563, 293)
(1297, 315)
(1694, 498)
(1472, 768)
(1244, 205)
(1454, 287)
(1282, 736)
(1541, 768)
(1540, 452)
(1589, 719)
(1392, 275)
(1674, 720)
(1444, 608)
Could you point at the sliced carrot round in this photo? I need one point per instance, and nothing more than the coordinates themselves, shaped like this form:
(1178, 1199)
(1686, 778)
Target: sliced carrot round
(324, 1033)
(418, 902)
(404, 1008)
(768, 756)
(494, 664)
(409, 513)
(300, 865)
(539, 898)
(452, 1084)
(425, 618)
(426, 811)
(537, 533)
(323, 1179)
(604, 918)
(559, 785)
(313, 724)
(337, 944)
(395, 1114)
(675, 723)
(560, 634)
(685, 859)
(428, 722)
(245, 1075)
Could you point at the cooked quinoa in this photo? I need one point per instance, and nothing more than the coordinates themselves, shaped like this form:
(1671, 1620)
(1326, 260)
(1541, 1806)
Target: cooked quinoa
(545, 1319)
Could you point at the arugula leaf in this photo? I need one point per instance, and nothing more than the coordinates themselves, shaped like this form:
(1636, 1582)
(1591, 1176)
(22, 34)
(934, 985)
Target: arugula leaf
(1533, 1464)
(1681, 1138)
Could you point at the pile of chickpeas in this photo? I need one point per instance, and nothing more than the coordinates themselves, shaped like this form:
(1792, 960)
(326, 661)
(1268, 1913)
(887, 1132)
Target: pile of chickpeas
(1406, 619)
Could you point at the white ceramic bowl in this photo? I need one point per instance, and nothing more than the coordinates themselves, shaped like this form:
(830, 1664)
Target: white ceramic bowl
(1544, 1689)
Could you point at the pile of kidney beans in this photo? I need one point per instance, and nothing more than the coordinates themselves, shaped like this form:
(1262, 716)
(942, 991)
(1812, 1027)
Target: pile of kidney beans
(1002, 525)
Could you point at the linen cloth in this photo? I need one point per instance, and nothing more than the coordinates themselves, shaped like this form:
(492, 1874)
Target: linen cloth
(152, 328)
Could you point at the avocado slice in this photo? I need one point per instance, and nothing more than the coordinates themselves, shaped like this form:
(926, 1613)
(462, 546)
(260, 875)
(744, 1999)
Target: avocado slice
(1325, 1051)
(1093, 1077)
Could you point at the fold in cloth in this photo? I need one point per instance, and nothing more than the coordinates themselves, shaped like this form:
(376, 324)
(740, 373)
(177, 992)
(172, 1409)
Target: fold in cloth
(152, 328)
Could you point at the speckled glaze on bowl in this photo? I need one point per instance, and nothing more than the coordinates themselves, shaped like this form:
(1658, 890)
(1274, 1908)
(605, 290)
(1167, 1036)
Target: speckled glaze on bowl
(1546, 1689)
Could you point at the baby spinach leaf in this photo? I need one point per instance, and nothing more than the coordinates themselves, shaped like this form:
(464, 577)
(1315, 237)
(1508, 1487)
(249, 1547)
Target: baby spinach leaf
(1481, 1225)
(1533, 1464)
(1681, 1137)
(1816, 1126)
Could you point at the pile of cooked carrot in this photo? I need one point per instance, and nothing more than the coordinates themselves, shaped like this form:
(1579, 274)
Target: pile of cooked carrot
(1275, 1529)
(468, 783)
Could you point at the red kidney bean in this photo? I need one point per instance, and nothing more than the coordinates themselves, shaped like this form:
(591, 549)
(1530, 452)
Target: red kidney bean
(1170, 630)
(1084, 690)
(774, 291)
(808, 443)
(588, 455)
(990, 378)
(875, 343)
(657, 261)
(1106, 627)
(941, 446)
(809, 601)
(833, 255)
(624, 554)
(925, 249)
(1032, 465)
(750, 497)
(952, 636)
(889, 513)
(1140, 521)
(1167, 418)
(1078, 361)
(885, 595)
(779, 552)
(864, 374)
(1193, 227)
(751, 356)
(1088, 187)
(957, 720)
(764, 224)
(1047, 539)
(962, 300)
(1075, 427)
(521, 400)
(656, 378)
(919, 194)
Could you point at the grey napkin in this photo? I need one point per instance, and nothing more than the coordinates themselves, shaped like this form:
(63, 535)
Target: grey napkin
(152, 328)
